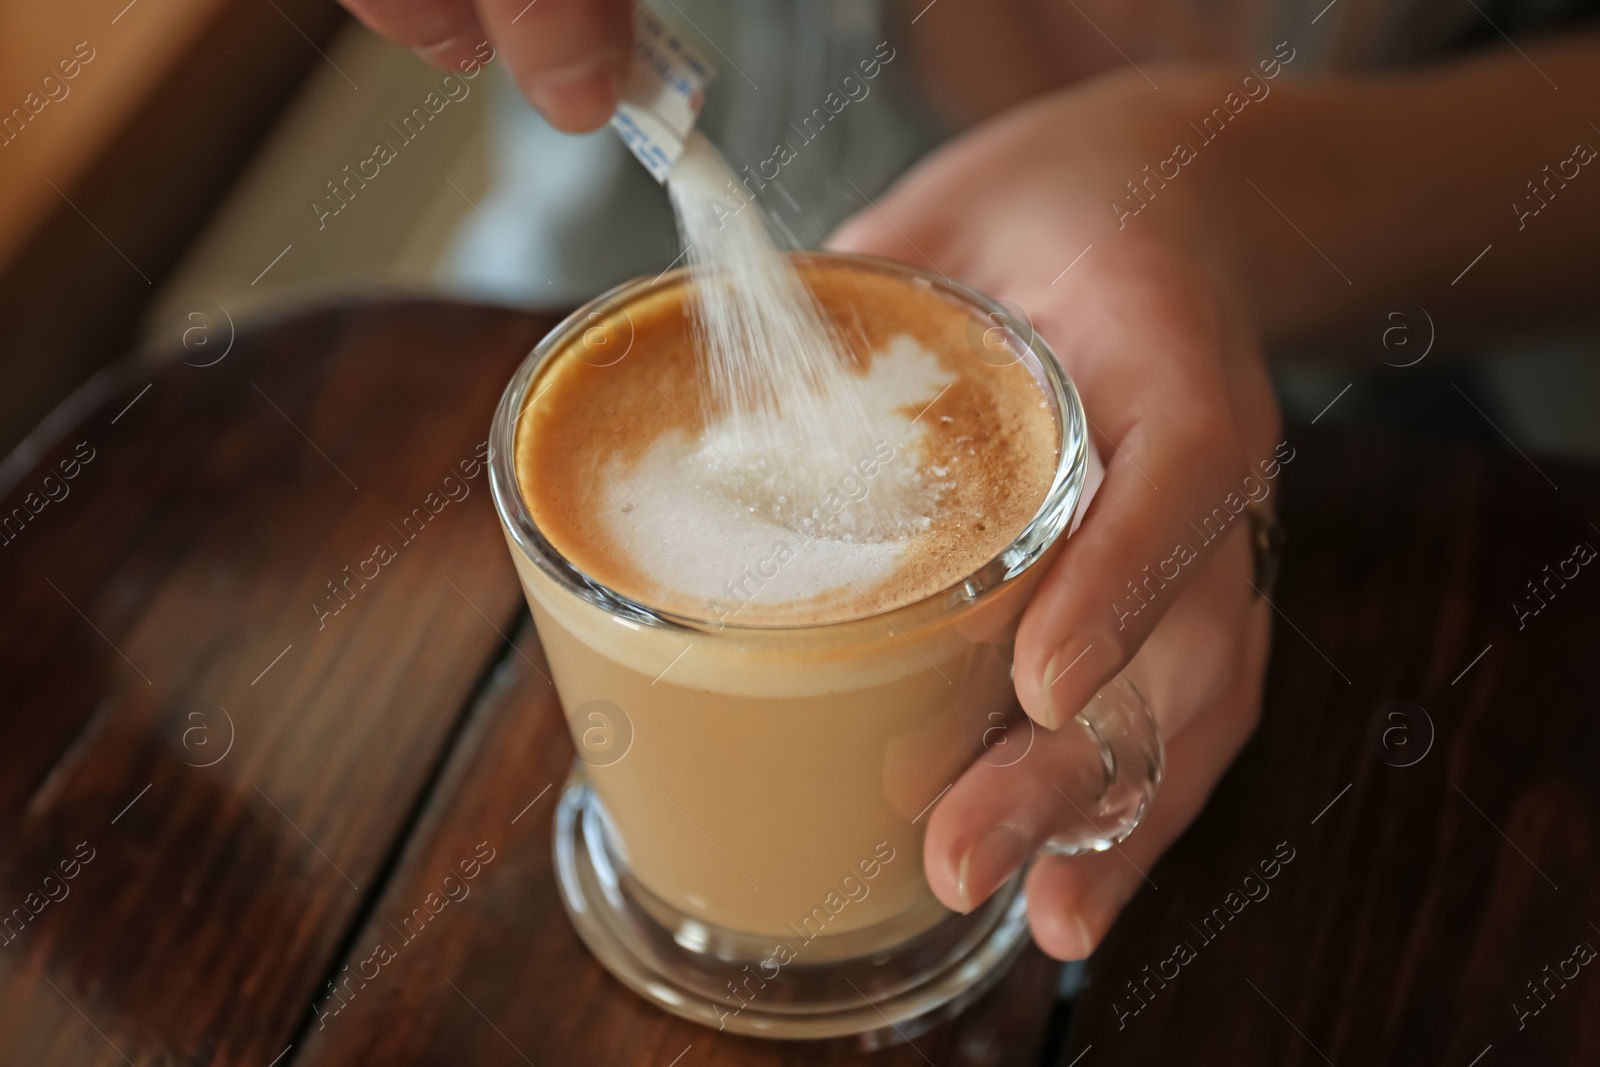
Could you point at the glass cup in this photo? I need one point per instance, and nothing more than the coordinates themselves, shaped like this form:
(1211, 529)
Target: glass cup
(740, 839)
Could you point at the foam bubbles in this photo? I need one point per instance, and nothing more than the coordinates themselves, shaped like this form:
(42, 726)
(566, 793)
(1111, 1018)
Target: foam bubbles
(734, 519)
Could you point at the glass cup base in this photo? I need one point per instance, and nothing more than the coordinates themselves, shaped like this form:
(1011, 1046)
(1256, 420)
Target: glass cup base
(876, 985)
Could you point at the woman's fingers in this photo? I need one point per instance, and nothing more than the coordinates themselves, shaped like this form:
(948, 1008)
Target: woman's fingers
(570, 57)
(443, 32)
(1072, 901)
(1141, 335)
(1141, 338)
(1189, 661)
(1031, 785)
(1180, 409)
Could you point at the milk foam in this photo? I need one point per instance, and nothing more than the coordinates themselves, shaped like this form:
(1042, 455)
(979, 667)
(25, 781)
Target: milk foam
(726, 517)
(634, 476)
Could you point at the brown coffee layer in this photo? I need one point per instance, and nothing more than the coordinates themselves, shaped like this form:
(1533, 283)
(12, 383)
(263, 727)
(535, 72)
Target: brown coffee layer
(989, 440)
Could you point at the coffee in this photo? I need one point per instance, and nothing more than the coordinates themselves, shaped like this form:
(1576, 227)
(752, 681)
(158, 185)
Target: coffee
(794, 736)
(630, 472)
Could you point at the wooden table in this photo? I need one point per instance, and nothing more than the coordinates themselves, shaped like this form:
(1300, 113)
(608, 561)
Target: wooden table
(229, 771)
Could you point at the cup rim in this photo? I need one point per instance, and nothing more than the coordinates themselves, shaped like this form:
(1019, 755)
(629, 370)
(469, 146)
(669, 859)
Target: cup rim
(1048, 523)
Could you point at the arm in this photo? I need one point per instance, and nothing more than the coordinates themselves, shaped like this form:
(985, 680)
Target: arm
(1403, 181)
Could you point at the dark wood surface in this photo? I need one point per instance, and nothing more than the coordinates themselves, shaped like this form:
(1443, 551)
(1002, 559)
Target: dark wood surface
(1446, 877)
(414, 731)
(156, 599)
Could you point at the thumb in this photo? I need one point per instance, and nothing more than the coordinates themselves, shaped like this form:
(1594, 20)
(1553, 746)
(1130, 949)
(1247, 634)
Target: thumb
(866, 233)
(894, 225)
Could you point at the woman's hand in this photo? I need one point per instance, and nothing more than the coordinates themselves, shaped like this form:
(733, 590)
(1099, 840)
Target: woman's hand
(1144, 315)
(569, 56)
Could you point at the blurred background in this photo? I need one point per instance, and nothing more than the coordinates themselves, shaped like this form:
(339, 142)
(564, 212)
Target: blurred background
(168, 191)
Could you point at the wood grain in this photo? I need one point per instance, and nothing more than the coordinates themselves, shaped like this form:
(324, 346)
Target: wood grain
(171, 591)
(1423, 899)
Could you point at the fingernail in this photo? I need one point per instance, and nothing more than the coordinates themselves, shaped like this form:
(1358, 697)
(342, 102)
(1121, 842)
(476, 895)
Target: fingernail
(580, 96)
(1060, 666)
(1046, 704)
(989, 863)
(438, 54)
(1085, 938)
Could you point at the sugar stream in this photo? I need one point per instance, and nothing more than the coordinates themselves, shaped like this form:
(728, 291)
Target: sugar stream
(795, 412)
